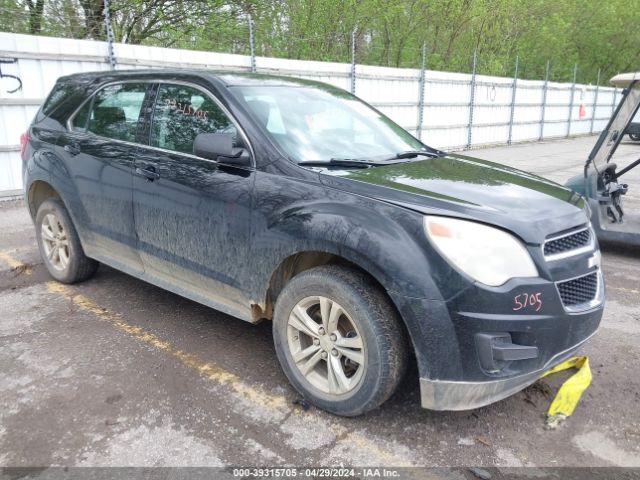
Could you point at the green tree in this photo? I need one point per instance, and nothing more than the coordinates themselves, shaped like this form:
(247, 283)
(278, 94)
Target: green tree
(594, 35)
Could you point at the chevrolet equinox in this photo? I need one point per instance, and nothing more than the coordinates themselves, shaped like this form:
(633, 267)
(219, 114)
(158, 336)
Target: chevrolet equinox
(293, 201)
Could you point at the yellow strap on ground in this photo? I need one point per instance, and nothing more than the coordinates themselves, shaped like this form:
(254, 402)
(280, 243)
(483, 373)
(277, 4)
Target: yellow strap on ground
(571, 390)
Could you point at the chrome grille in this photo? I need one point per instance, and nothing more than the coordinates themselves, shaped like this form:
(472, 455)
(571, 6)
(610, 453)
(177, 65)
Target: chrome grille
(579, 291)
(568, 242)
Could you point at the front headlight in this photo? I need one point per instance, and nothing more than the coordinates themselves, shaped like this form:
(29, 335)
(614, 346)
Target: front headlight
(488, 255)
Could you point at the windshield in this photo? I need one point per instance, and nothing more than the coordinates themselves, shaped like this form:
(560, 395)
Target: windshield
(315, 124)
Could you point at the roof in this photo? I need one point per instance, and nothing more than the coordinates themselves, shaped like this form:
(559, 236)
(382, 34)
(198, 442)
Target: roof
(259, 79)
(624, 80)
(228, 78)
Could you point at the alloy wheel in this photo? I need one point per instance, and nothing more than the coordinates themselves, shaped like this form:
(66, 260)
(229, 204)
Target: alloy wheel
(55, 242)
(325, 345)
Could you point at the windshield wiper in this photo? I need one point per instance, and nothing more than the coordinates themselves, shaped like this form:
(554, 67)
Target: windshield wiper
(400, 157)
(414, 154)
(340, 162)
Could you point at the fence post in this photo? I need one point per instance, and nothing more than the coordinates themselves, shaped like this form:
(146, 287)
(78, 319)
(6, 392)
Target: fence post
(422, 86)
(252, 48)
(513, 100)
(613, 102)
(353, 61)
(472, 98)
(573, 91)
(544, 100)
(107, 21)
(595, 103)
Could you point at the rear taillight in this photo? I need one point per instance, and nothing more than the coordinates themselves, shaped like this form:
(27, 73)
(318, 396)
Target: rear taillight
(24, 139)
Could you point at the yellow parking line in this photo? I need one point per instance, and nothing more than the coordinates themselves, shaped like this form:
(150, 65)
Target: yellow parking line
(15, 264)
(206, 369)
(211, 371)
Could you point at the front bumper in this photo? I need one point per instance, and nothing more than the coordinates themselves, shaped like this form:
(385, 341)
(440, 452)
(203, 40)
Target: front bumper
(476, 348)
(461, 395)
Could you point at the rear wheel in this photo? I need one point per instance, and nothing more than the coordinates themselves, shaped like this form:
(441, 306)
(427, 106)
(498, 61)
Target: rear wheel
(59, 244)
(339, 340)
(635, 137)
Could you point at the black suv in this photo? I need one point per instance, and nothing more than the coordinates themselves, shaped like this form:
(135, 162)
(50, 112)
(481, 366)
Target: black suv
(290, 200)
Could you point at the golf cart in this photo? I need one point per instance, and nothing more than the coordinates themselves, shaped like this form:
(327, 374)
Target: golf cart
(605, 183)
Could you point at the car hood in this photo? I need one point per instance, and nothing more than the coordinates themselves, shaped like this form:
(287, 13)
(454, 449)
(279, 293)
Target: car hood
(465, 187)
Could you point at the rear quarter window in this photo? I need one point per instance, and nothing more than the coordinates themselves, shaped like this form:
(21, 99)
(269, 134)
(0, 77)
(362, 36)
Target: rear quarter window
(63, 99)
(59, 93)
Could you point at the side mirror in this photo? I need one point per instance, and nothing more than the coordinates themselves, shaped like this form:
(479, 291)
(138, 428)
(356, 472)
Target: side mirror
(219, 147)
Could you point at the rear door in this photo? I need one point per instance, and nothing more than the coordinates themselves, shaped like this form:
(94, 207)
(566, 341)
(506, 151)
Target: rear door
(192, 214)
(99, 151)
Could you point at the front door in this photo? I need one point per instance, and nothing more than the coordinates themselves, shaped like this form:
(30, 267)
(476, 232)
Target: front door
(192, 215)
(99, 151)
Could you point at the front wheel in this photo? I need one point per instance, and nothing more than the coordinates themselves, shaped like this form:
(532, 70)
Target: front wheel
(635, 137)
(339, 340)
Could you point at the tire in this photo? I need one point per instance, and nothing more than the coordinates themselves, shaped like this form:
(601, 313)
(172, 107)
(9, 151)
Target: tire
(59, 244)
(364, 317)
(635, 137)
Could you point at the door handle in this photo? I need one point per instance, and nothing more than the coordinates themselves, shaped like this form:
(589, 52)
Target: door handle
(148, 172)
(72, 148)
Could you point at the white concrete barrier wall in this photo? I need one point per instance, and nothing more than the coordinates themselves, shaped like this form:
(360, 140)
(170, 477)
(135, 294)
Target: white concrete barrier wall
(394, 91)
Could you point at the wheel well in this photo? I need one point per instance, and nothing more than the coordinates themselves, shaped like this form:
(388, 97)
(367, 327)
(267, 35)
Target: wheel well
(298, 263)
(38, 193)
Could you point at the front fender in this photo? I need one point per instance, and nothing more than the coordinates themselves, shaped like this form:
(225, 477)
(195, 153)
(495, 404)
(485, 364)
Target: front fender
(386, 241)
(389, 243)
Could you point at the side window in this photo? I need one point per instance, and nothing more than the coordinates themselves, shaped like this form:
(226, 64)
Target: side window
(60, 92)
(181, 113)
(79, 121)
(115, 111)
